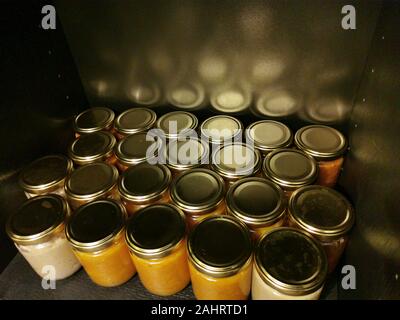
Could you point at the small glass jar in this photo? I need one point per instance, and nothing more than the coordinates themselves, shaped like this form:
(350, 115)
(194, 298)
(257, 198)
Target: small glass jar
(221, 129)
(93, 120)
(96, 233)
(268, 135)
(91, 182)
(45, 175)
(326, 215)
(37, 230)
(220, 259)
(143, 185)
(199, 193)
(257, 202)
(134, 120)
(290, 169)
(327, 145)
(289, 265)
(157, 242)
(93, 147)
(177, 124)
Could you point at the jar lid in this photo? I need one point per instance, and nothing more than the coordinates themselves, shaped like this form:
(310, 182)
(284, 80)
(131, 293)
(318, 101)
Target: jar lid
(186, 95)
(94, 119)
(37, 219)
(321, 211)
(220, 246)
(321, 142)
(291, 262)
(95, 225)
(221, 128)
(208, 186)
(268, 135)
(256, 201)
(135, 120)
(230, 100)
(290, 168)
(177, 123)
(92, 147)
(45, 174)
(154, 231)
(236, 160)
(144, 182)
(278, 103)
(91, 181)
(187, 154)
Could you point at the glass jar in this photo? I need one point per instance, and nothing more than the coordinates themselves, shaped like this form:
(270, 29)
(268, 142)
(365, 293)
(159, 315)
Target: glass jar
(45, 175)
(257, 202)
(199, 193)
(177, 124)
(93, 147)
(326, 215)
(134, 120)
(91, 182)
(156, 239)
(290, 169)
(96, 233)
(93, 120)
(221, 129)
(220, 259)
(327, 145)
(289, 265)
(143, 185)
(37, 230)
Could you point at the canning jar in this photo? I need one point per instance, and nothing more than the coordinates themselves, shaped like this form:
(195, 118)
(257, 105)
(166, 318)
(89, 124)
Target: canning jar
(257, 202)
(289, 265)
(326, 215)
(143, 185)
(91, 182)
(290, 169)
(37, 230)
(96, 234)
(220, 259)
(199, 193)
(45, 175)
(327, 145)
(93, 120)
(177, 124)
(221, 129)
(93, 147)
(134, 120)
(157, 242)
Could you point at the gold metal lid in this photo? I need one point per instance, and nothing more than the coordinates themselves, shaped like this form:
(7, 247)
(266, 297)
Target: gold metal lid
(291, 262)
(94, 119)
(154, 231)
(218, 129)
(187, 154)
(94, 226)
(256, 201)
(45, 174)
(197, 190)
(321, 211)
(91, 181)
(176, 124)
(37, 220)
(321, 142)
(135, 120)
(220, 246)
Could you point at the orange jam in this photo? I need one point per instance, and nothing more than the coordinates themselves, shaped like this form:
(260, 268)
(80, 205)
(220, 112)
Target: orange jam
(329, 172)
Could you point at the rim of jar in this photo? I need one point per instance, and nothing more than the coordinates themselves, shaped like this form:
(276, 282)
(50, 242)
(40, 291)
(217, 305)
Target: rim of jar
(183, 131)
(145, 126)
(210, 139)
(104, 125)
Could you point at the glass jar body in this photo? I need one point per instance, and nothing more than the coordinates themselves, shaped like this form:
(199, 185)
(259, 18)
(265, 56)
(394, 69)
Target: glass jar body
(329, 172)
(132, 206)
(194, 218)
(111, 194)
(57, 189)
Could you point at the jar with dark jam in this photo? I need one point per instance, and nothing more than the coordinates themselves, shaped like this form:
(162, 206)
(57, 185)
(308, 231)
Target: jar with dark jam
(93, 120)
(177, 124)
(134, 120)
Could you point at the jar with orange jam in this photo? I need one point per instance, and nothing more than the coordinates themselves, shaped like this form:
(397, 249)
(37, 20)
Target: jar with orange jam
(134, 120)
(177, 124)
(220, 259)
(94, 120)
(199, 193)
(96, 233)
(143, 185)
(157, 242)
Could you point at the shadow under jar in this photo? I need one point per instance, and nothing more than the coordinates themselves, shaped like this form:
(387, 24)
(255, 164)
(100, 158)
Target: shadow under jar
(290, 169)
(94, 120)
(157, 241)
(143, 185)
(96, 233)
(289, 265)
(199, 193)
(257, 202)
(91, 182)
(134, 120)
(326, 215)
(46, 175)
(177, 124)
(37, 230)
(220, 259)
(221, 129)
(327, 145)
